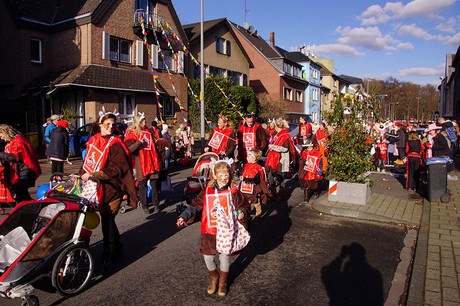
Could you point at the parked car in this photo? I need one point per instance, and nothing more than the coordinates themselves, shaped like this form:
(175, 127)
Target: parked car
(80, 136)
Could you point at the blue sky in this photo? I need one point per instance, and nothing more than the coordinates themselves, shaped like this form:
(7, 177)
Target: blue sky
(407, 40)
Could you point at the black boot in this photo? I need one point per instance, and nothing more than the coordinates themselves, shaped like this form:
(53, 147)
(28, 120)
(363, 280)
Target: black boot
(305, 195)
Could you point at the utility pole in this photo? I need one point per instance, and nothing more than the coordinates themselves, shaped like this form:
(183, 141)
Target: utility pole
(202, 131)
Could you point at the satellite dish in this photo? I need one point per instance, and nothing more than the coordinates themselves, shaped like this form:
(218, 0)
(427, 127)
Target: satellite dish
(251, 29)
(246, 25)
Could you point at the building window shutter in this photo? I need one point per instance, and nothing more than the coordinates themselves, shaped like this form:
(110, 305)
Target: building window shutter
(228, 48)
(180, 62)
(105, 45)
(139, 53)
(154, 56)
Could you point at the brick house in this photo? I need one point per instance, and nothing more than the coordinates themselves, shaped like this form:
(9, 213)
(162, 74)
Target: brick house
(273, 73)
(223, 53)
(81, 55)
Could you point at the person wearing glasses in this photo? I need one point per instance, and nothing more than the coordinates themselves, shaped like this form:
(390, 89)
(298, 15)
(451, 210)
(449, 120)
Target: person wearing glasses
(109, 160)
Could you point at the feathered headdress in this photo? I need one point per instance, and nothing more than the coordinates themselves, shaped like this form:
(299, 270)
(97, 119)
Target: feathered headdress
(102, 113)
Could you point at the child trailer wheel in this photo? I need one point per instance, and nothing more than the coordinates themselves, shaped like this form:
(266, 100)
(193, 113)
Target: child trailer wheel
(72, 270)
(445, 198)
(30, 300)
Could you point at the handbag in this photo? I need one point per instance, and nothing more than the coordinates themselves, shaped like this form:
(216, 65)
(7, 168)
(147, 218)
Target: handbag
(231, 235)
(89, 191)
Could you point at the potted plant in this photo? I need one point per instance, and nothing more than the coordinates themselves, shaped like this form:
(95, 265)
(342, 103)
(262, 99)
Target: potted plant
(349, 150)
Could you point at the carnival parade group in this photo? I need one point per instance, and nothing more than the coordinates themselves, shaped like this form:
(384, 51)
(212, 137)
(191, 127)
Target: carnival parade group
(253, 163)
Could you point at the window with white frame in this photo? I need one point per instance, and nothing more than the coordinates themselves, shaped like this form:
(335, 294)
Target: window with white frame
(126, 104)
(315, 94)
(223, 46)
(120, 50)
(35, 50)
(287, 92)
(216, 71)
(168, 106)
(299, 95)
(287, 68)
(168, 62)
(235, 77)
(296, 71)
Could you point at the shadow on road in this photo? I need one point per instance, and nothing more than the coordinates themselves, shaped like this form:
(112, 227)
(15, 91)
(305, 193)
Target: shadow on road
(267, 235)
(350, 280)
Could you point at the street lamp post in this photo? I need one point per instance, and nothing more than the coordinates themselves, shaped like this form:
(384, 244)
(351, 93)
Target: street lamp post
(203, 141)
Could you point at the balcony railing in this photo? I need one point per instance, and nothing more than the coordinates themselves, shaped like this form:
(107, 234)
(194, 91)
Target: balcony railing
(150, 19)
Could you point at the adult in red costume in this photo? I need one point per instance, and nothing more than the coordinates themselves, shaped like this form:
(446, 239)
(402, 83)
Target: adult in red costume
(109, 160)
(20, 166)
(279, 157)
(305, 131)
(223, 139)
(251, 135)
(147, 163)
(310, 170)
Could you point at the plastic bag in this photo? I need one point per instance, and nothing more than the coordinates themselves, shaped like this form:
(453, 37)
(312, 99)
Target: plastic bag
(13, 244)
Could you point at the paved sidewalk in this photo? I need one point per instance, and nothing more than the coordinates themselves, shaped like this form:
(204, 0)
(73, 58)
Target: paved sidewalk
(435, 278)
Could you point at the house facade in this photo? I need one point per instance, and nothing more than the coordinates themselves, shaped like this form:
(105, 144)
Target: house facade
(449, 105)
(223, 53)
(312, 74)
(331, 84)
(273, 73)
(80, 56)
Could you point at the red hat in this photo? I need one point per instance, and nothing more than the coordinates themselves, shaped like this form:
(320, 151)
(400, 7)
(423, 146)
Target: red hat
(62, 123)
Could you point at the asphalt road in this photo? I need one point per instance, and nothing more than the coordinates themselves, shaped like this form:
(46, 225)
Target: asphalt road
(296, 256)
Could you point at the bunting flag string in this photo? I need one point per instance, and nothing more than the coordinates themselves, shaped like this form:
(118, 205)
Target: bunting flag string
(176, 62)
(155, 74)
(154, 71)
(233, 105)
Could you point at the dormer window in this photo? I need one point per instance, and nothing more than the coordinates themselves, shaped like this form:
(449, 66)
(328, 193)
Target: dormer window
(223, 46)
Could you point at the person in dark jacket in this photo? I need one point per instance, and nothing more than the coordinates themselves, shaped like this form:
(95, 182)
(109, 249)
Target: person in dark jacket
(401, 141)
(58, 148)
(414, 160)
(441, 148)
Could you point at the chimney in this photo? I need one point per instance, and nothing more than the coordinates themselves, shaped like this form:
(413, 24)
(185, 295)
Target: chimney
(272, 39)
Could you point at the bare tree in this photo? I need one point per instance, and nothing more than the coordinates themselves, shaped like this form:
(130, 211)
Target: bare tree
(270, 106)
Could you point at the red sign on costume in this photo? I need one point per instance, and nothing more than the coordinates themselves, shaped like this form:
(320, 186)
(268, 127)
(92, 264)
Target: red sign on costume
(222, 199)
(248, 139)
(310, 163)
(146, 138)
(92, 159)
(246, 187)
(303, 130)
(216, 140)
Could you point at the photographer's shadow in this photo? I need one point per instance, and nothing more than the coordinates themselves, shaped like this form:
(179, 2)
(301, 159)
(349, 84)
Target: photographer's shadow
(350, 280)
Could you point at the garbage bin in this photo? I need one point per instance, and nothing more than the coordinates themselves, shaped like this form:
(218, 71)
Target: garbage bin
(437, 179)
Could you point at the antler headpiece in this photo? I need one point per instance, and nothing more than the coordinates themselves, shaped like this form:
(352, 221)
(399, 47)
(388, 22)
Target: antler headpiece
(102, 113)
